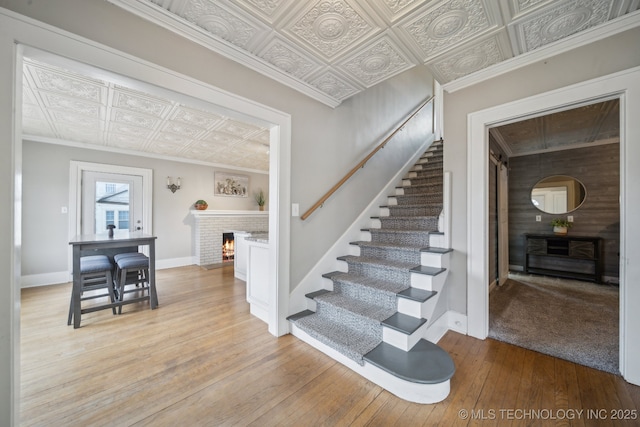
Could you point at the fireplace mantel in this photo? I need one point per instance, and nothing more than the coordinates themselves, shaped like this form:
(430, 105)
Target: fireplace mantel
(208, 213)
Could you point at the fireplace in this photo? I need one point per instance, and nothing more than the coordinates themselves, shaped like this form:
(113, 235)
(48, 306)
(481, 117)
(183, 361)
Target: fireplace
(227, 247)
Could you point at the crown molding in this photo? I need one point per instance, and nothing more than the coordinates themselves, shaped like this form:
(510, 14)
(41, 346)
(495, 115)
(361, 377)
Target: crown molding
(163, 19)
(110, 149)
(607, 29)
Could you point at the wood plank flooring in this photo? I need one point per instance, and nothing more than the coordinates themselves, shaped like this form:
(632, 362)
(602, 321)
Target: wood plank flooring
(201, 359)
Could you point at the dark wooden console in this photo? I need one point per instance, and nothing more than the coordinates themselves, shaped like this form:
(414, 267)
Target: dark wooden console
(564, 256)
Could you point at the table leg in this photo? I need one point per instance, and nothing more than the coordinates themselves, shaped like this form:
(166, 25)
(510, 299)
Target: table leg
(76, 290)
(153, 296)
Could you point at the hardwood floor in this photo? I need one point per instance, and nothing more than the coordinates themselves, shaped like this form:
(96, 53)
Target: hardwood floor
(202, 359)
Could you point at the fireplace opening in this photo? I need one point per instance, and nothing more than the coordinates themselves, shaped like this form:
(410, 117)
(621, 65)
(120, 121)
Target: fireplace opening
(227, 247)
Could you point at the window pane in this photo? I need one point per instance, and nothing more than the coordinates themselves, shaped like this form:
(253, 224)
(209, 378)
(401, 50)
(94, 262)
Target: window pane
(111, 197)
(123, 220)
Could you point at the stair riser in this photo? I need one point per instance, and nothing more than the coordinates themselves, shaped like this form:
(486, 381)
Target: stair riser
(412, 256)
(437, 240)
(416, 308)
(435, 260)
(403, 341)
(427, 282)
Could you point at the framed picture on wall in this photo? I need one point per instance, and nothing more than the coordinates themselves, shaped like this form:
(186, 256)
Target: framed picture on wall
(232, 185)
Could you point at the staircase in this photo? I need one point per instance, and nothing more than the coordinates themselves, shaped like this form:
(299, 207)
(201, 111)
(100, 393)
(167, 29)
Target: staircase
(374, 313)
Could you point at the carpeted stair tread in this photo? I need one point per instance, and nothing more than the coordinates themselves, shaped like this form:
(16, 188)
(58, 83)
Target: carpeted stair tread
(367, 310)
(383, 245)
(425, 363)
(367, 282)
(403, 323)
(349, 341)
(378, 262)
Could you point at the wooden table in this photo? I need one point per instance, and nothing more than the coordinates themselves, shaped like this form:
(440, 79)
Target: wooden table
(93, 244)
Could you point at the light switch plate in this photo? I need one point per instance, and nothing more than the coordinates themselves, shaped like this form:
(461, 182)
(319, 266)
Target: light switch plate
(538, 218)
(295, 209)
(570, 218)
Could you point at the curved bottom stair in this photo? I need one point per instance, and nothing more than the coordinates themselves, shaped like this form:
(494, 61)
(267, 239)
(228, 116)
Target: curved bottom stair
(421, 375)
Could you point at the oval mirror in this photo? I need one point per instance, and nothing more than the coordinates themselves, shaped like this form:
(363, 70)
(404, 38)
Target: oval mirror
(558, 194)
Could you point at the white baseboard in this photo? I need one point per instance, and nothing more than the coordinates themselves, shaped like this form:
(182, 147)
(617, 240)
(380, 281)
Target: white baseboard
(58, 277)
(45, 279)
(174, 262)
(449, 321)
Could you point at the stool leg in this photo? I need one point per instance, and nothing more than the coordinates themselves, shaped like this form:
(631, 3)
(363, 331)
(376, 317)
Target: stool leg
(70, 310)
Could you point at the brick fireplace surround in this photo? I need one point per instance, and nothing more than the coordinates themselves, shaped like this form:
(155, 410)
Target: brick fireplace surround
(209, 226)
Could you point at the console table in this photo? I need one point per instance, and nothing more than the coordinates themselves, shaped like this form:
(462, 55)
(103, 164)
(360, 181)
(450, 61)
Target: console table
(572, 257)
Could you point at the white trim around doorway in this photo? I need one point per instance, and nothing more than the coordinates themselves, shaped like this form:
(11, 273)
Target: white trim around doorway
(624, 85)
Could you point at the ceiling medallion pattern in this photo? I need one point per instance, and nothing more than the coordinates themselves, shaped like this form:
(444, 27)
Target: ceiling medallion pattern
(472, 59)
(331, 26)
(448, 25)
(396, 6)
(335, 86)
(267, 7)
(220, 22)
(377, 63)
(564, 20)
(287, 59)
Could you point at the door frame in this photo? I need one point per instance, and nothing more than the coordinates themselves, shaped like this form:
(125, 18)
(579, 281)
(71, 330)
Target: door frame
(77, 168)
(623, 85)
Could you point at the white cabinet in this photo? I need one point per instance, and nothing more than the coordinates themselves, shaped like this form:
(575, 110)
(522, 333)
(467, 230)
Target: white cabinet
(240, 254)
(258, 277)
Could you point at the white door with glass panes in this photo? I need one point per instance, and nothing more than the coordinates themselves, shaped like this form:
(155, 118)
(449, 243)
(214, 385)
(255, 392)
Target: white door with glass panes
(111, 199)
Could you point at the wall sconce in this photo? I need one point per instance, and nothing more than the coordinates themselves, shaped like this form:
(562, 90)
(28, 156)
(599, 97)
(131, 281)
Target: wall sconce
(173, 186)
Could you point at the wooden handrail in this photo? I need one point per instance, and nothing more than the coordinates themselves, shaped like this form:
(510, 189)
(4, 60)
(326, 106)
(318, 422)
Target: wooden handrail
(360, 165)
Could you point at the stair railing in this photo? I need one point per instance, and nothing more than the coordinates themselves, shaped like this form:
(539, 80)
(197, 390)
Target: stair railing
(364, 161)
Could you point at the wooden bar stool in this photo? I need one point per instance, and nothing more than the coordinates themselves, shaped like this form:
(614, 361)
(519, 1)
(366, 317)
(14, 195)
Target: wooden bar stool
(96, 272)
(133, 269)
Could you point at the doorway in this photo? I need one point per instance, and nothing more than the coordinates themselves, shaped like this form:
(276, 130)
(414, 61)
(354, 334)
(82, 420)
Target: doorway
(110, 200)
(578, 179)
(626, 87)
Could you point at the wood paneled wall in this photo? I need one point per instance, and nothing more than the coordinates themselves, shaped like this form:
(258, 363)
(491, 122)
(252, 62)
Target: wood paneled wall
(598, 168)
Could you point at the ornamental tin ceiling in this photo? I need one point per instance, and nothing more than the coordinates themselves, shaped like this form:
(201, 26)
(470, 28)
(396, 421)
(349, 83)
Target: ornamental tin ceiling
(333, 49)
(63, 106)
(327, 49)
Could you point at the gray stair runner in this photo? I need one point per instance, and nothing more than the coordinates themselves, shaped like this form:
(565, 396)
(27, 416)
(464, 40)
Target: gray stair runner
(350, 318)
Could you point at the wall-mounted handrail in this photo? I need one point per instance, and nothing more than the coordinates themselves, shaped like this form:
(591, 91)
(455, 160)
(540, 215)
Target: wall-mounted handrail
(360, 165)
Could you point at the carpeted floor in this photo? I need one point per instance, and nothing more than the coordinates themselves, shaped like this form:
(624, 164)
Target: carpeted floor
(569, 319)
